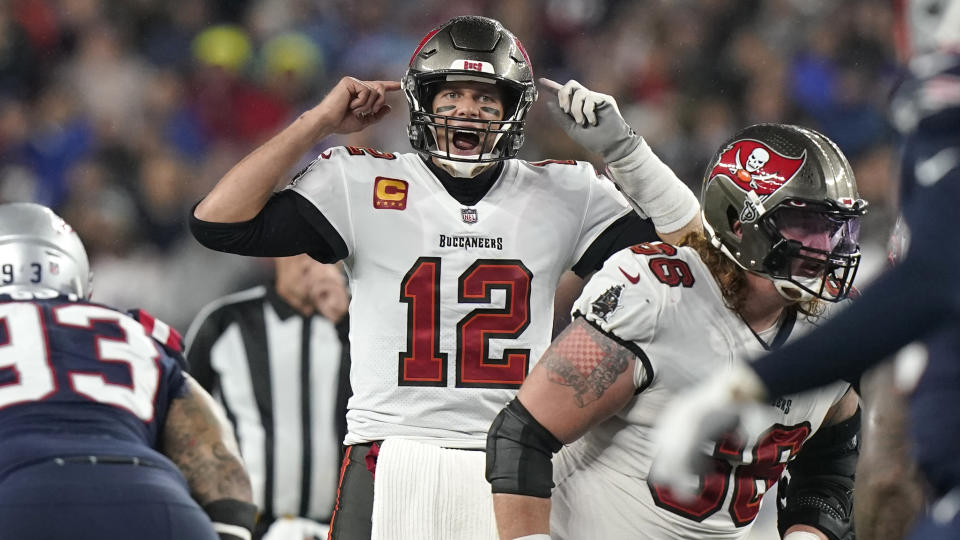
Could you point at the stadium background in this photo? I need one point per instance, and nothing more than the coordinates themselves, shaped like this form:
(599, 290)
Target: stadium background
(121, 114)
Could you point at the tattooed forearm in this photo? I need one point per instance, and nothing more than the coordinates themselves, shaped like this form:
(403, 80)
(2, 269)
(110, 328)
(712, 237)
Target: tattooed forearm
(196, 441)
(585, 360)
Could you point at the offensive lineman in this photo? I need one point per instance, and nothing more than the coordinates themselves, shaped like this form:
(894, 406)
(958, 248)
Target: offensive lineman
(454, 254)
(659, 318)
(915, 300)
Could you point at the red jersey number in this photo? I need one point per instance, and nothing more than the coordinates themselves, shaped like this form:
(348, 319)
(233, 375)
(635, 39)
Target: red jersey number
(673, 272)
(422, 363)
(769, 458)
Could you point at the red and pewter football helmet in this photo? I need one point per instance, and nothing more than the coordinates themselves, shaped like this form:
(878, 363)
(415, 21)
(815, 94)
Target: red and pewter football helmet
(470, 48)
(772, 180)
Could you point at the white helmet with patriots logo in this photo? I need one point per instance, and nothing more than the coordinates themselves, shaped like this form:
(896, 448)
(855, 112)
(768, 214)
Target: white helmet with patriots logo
(40, 251)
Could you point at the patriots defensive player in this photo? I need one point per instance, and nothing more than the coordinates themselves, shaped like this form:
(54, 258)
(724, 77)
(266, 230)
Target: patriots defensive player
(917, 300)
(102, 435)
(781, 238)
(453, 253)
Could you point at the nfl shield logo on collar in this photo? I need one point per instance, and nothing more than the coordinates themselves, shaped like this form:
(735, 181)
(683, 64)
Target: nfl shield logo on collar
(469, 215)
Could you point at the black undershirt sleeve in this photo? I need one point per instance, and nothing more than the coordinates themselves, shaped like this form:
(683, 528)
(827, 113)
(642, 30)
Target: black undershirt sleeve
(288, 225)
(629, 230)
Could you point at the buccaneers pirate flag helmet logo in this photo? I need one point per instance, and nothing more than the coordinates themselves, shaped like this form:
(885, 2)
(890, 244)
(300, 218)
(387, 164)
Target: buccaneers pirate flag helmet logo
(754, 166)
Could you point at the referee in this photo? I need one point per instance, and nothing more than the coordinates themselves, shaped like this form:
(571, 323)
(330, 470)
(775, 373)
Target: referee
(278, 359)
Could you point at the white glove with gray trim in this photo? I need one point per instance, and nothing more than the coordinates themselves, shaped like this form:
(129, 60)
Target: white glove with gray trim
(594, 121)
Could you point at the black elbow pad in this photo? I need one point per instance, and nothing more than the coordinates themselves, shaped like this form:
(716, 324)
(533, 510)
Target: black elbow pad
(817, 488)
(519, 453)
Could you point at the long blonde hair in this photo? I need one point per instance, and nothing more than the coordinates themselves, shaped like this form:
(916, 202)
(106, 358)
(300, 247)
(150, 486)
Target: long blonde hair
(732, 279)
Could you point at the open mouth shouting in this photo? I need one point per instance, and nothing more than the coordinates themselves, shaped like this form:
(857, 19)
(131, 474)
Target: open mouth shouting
(465, 142)
(810, 269)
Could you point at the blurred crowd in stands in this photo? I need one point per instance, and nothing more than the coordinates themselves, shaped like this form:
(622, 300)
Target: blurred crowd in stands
(120, 114)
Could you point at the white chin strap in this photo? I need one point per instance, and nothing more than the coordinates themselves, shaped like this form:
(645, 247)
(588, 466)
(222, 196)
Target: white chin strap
(464, 169)
(791, 292)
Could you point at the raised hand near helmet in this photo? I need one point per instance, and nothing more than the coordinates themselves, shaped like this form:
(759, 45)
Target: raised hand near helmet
(352, 105)
(591, 119)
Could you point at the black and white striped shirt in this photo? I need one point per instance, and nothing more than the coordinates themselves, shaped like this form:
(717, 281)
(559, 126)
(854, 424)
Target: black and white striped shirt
(284, 382)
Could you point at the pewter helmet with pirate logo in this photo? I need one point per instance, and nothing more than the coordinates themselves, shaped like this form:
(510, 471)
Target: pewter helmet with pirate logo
(770, 178)
(40, 251)
(478, 49)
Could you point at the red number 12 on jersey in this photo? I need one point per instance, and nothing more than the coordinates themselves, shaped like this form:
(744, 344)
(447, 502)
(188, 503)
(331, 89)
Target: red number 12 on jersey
(422, 363)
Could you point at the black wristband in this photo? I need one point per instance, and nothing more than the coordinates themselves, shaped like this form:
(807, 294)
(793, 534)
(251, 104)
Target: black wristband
(232, 519)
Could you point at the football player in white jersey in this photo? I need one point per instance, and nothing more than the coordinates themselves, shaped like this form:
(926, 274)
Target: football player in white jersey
(781, 213)
(453, 253)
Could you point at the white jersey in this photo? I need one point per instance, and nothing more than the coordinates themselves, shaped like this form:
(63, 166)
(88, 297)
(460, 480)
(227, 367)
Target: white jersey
(451, 305)
(665, 301)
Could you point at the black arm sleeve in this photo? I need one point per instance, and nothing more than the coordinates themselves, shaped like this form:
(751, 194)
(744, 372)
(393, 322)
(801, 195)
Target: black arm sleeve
(627, 231)
(817, 489)
(288, 225)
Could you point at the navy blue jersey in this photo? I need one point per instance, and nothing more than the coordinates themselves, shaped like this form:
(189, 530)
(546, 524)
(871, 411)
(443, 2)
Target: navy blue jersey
(933, 406)
(931, 187)
(79, 379)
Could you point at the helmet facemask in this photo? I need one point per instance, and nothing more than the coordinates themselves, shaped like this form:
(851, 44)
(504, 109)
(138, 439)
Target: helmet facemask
(498, 139)
(814, 252)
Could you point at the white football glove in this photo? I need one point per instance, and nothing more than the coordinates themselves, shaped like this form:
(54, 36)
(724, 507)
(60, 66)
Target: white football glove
(592, 119)
(696, 418)
(296, 528)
